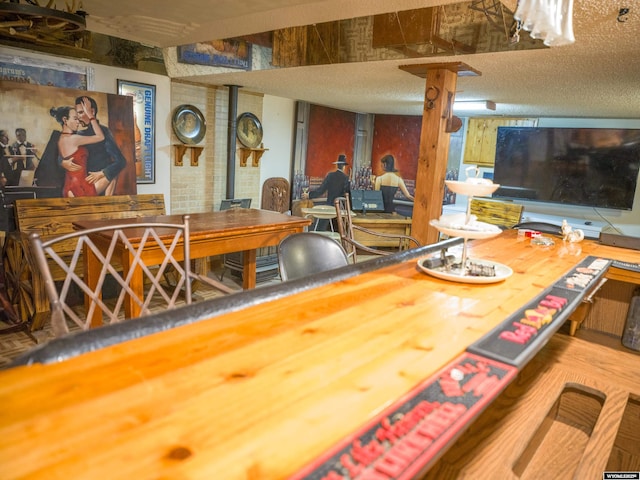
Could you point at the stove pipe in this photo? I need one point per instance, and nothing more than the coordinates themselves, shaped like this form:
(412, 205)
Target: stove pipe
(231, 140)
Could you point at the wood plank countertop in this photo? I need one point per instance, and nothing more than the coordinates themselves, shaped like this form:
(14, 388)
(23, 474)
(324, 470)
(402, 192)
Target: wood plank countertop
(260, 392)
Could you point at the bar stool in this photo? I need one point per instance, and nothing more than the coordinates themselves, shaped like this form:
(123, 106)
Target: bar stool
(322, 212)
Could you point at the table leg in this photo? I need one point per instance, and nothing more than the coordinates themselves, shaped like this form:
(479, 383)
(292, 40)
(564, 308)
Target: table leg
(131, 306)
(249, 269)
(92, 269)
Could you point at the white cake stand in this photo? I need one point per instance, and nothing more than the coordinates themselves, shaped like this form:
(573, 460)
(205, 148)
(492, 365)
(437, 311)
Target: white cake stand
(474, 187)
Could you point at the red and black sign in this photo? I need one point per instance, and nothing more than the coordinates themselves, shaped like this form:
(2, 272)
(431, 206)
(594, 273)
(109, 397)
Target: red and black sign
(517, 339)
(404, 439)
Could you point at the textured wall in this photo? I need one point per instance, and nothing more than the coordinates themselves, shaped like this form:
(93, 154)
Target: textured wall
(200, 188)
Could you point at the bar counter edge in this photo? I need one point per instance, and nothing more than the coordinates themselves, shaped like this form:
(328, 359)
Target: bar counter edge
(72, 345)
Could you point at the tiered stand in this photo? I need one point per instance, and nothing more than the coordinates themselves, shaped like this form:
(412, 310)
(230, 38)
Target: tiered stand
(461, 271)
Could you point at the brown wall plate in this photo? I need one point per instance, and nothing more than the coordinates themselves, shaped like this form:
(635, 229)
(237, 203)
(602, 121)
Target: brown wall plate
(249, 131)
(188, 124)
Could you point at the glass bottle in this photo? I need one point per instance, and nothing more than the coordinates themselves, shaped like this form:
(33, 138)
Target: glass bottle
(137, 137)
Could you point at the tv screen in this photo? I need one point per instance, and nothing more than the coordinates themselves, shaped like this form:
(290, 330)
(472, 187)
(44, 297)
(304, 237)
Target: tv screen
(596, 167)
(367, 200)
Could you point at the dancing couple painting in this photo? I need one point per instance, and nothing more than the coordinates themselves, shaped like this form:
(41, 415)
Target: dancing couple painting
(82, 157)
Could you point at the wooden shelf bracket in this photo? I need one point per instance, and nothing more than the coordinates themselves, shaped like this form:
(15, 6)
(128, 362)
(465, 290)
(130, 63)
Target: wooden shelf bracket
(254, 153)
(180, 150)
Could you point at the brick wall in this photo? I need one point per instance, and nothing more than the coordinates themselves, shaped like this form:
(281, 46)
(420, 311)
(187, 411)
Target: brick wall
(200, 188)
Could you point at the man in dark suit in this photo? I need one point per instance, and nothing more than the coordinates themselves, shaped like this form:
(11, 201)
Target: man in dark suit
(105, 160)
(24, 152)
(7, 174)
(24, 147)
(335, 185)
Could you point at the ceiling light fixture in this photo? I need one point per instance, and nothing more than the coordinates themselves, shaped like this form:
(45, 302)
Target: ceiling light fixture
(475, 106)
(549, 21)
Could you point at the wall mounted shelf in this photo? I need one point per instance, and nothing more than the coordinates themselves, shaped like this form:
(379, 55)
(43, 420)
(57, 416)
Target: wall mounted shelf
(254, 153)
(180, 150)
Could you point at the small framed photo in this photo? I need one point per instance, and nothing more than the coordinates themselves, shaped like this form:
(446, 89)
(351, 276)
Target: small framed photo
(144, 126)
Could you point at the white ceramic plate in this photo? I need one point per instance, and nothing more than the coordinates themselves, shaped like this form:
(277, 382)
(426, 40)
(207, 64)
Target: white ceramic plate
(502, 272)
(461, 232)
(472, 189)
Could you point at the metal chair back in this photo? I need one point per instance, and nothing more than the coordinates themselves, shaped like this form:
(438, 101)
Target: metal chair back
(172, 240)
(306, 253)
(346, 228)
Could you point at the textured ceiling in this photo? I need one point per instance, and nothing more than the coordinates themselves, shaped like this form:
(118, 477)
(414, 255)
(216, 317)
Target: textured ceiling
(598, 76)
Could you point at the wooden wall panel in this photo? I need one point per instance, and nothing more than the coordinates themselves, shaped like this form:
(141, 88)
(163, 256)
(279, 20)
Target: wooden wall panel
(609, 311)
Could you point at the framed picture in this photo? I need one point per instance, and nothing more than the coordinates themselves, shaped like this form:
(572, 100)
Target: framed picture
(52, 74)
(231, 53)
(144, 127)
(39, 110)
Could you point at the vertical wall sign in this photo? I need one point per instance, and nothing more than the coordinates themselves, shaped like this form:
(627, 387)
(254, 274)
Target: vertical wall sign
(144, 119)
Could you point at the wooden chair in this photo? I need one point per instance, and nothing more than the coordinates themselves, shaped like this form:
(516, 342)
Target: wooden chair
(173, 241)
(306, 253)
(346, 229)
(503, 214)
(275, 197)
(51, 217)
(7, 313)
(275, 194)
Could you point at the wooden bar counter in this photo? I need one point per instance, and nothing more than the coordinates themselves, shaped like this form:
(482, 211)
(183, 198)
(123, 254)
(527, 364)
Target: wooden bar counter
(263, 389)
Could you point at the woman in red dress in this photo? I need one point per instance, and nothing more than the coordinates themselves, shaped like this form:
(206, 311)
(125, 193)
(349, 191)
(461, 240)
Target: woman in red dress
(72, 152)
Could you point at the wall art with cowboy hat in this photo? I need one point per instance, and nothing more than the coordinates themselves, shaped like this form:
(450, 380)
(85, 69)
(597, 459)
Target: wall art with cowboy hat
(399, 137)
(324, 133)
(331, 137)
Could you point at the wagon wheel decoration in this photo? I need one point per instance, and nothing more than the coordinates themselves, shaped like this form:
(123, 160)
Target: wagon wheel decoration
(43, 24)
(19, 278)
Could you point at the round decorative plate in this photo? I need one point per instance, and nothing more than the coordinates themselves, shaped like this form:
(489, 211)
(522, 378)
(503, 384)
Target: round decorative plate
(249, 130)
(489, 232)
(188, 124)
(502, 272)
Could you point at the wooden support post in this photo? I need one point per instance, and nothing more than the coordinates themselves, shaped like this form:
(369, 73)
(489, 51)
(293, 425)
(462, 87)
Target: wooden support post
(434, 151)
(441, 81)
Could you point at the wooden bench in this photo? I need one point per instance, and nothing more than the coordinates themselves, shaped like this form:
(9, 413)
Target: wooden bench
(52, 217)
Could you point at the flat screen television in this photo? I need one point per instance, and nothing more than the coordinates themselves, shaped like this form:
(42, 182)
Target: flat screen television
(595, 167)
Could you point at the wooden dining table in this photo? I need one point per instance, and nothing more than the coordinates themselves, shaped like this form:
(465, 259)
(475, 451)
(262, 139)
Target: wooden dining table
(210, 233)
(264, 390)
